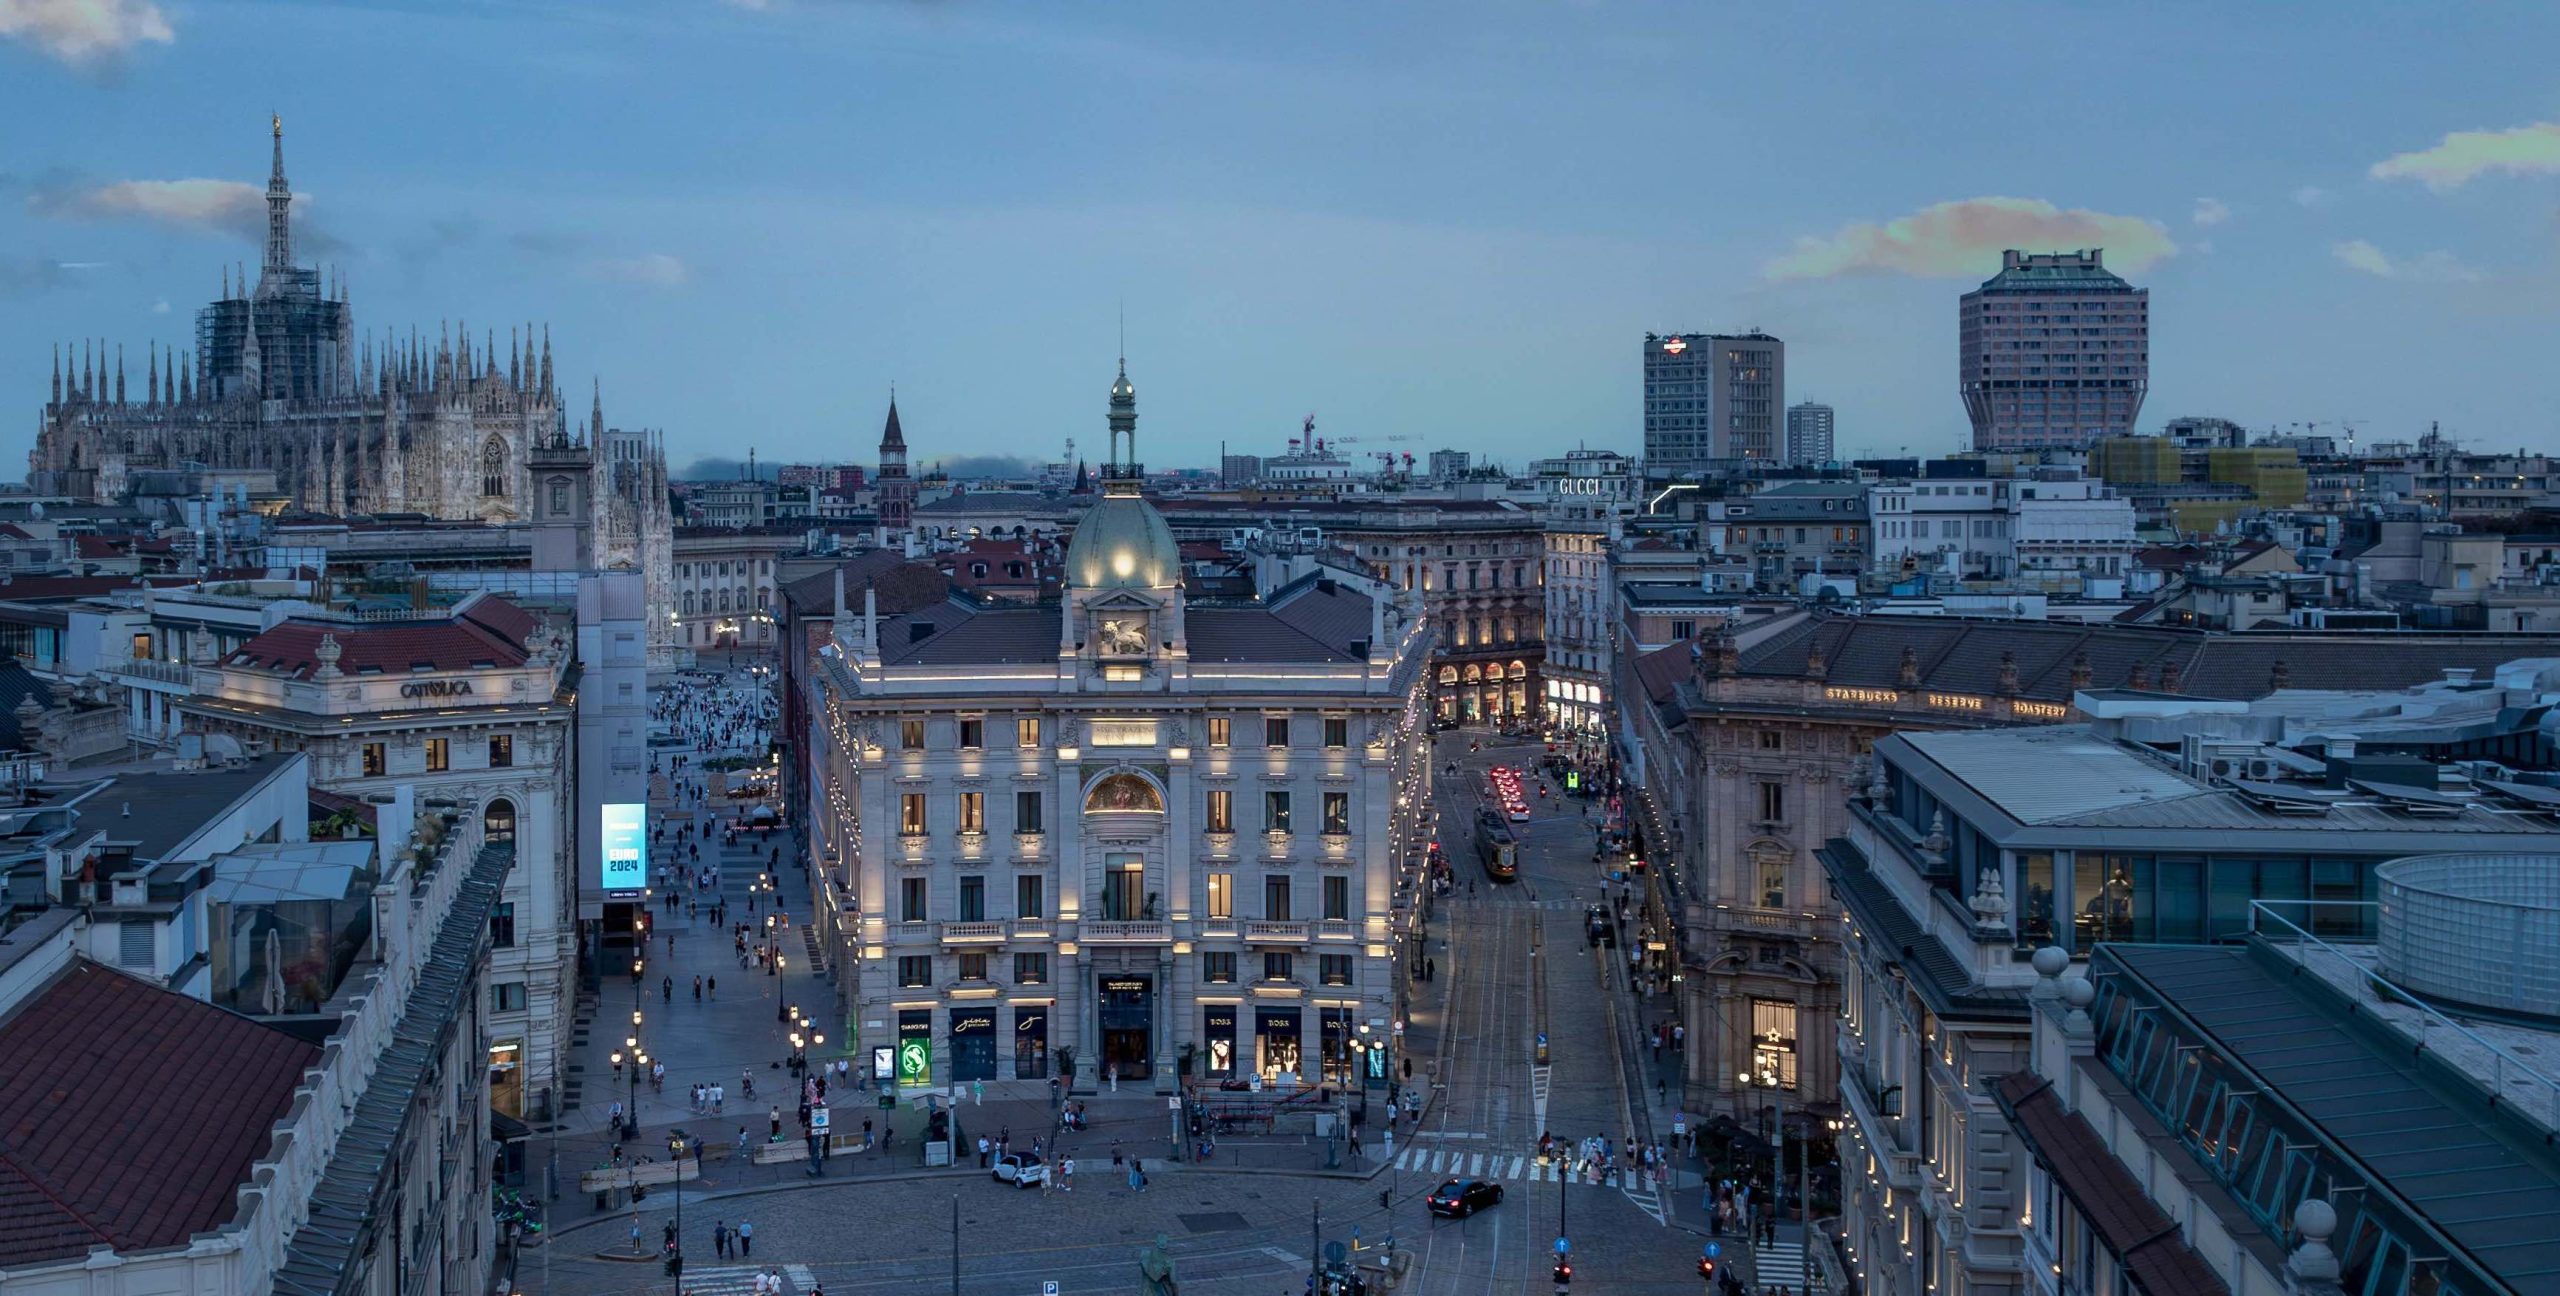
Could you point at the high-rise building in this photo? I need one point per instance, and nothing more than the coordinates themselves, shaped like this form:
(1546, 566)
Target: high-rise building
(1809, 434)
(1711, 400)
(2056, 351)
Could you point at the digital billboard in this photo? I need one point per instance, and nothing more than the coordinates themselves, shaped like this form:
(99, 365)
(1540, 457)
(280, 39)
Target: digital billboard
(625, 837)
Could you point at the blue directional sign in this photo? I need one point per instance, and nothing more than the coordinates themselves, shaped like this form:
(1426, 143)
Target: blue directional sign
(1562, 1245)
(1714, 1249)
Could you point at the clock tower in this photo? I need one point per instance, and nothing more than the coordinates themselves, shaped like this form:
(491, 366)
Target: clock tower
(1123, 629)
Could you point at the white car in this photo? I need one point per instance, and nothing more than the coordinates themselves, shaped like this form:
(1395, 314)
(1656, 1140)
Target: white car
(1021, 1169)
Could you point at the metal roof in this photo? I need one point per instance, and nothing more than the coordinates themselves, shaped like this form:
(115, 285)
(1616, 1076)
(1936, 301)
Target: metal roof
(336, 1247)
(2438, 1147)
(2051, 773)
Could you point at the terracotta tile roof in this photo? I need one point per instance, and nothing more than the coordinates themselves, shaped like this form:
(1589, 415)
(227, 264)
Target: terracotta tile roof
(2131, 1226)
(386, 648)
(134, 1137)
(500, 617)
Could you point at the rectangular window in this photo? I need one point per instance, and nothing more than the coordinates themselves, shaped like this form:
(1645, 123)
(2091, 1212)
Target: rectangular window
(1773, 881)
(1222, 812)
(911, 900)
(1337, 899)
(973, 734)
(973, 966)
(911, 735)
(502, 751)
(1773, 1040)
(973, 898)
(1122, 674)
(1275, 812)
(1275, 731)
(1334, 969)
(1124, 885)
(915, 969)
(1275, 897)
(1218, 730)
(1773, 802)
(1222, 895)
(1218, 969)
(1026, 732)
(373, 762)
(1031, 969)
(502, 925)
(1277, 967)
(1337, 812)
(1026, 812)
(1772, 740)
(973, 812)
(1337, 731)
(1029, 900)
(911, 814)
(506, 996)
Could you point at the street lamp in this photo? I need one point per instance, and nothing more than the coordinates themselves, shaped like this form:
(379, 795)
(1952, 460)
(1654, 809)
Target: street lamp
(676, 1149)
(1766, 1077)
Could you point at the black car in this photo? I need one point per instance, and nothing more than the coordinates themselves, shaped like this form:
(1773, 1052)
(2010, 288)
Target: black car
(1463, 1197)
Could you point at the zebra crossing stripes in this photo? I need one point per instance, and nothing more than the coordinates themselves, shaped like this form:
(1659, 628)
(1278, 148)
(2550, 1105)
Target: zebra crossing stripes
(1778, 1262)
(1479, 1165)
(738, 1280)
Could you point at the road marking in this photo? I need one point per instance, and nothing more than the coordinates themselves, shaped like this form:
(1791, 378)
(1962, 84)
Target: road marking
(1516, 1164)
(736, 1280)
(1778, 1262)
(1646, 1201)
(1284, 1256)
(1438, 1134)
(1475, 1166)
(1404, 1159)
(800, 1276)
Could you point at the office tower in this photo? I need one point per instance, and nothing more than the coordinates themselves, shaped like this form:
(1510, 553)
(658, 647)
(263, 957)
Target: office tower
(1809, 434)
(1711, 400)
(2056, 351)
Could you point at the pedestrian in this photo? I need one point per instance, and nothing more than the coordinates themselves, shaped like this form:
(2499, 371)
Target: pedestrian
(1111, 1074)
(742, 1142)
(776, 1118)
(712, 984)
(984, 1148)
(746, 1239)
(1066, 1174)
(1137, 1178)
(720, 1238)
(978, 1092)
(667, 988)
(697, 987)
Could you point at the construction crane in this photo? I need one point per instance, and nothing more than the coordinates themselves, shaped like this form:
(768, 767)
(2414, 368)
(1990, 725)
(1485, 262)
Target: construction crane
(1370, 440)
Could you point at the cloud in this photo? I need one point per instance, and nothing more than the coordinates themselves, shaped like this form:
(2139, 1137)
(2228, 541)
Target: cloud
(1964, 239)
(86, 34)
(29, 276)
(2463, 156)
(2210, 212)
(230, 206)
(2427, 267)
(649, 269)
(2311, 196)
(160, 307)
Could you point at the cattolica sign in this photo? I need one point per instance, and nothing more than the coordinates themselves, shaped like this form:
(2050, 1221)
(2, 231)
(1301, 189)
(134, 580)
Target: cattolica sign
(436, 689)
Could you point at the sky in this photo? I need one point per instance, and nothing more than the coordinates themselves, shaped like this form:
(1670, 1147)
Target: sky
(1429, 225)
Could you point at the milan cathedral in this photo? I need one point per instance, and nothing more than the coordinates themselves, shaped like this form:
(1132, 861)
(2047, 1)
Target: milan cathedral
(276, 383)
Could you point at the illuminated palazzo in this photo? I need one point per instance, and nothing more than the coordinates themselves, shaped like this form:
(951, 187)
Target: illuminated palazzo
(1154, 835)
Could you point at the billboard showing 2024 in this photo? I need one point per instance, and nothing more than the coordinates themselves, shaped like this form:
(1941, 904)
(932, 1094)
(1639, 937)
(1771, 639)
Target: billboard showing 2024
(625, 856)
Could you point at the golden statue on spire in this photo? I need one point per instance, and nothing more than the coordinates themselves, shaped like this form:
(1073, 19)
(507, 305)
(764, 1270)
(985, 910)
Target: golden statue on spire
(279, 123)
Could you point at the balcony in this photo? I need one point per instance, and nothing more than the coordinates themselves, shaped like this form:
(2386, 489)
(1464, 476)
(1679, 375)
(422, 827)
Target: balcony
(1337, 931)
(1108, 932)
(973, 933)
(1218, 842)
(973, 843)
(1276, 933)
(1763, 922)
(1218, 928)
(1032, 928)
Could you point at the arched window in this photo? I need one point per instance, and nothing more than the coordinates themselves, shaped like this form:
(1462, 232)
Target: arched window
(1122, 793)
(493, 469)
(1475, 674)
(724, 600)
(1448, 674)
(1519, 670)
(498, 821)
(688, 602)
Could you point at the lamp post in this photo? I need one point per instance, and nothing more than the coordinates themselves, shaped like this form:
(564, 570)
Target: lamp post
(676, 1149)
(1765, 1076)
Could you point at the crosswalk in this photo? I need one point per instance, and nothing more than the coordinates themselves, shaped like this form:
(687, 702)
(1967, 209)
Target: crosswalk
(740, 1280)
(1778, 1262)
(1497, 1166)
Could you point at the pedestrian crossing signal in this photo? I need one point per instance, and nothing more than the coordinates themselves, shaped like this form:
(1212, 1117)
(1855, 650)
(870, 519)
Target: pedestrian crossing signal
(1564, 1273)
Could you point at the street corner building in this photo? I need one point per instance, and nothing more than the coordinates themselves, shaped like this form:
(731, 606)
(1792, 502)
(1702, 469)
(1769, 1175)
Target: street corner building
(1123, 830)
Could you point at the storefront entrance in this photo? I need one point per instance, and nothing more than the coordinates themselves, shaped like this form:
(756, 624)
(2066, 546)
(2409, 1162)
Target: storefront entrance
(973, 1044)
(1030, 1043)
(1219, 1024)
(1128, 1027)
(1275, 1037)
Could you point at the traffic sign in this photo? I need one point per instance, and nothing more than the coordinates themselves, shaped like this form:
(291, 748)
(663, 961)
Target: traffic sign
(1173, 1103)
(1049, 1287)
(1714, 1249)
(1335, 1252)
(1562, 1245)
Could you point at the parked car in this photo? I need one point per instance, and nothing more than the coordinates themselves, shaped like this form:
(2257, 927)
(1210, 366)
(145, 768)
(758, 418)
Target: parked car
(1021, 1169)
(1459, 1198)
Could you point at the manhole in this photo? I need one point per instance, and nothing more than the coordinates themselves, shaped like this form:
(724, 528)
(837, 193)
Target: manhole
(1212, 1221)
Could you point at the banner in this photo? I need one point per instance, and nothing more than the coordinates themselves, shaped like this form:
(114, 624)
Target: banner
(624, 833)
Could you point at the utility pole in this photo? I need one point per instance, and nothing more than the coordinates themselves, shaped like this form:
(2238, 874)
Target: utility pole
(1315, 1253)
(955, 1244)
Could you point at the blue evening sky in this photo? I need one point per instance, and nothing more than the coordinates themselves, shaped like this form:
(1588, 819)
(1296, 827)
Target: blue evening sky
(1450, 222)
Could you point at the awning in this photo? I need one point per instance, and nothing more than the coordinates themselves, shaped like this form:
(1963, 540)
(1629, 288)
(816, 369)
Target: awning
(507, 1129)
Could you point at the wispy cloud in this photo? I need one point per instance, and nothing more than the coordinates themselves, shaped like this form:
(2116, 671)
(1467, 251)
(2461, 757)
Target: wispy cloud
(1965, 238)
(2311, 196)
(649, 270)
(231, 206)
(2210, 212)
(2463, 156)
(2427, 267)
(28, 276)
(86, 34)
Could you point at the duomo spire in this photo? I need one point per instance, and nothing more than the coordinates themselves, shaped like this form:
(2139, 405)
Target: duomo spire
(279, 210)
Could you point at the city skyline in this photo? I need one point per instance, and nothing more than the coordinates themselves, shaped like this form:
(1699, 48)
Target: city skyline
(1455, 237)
